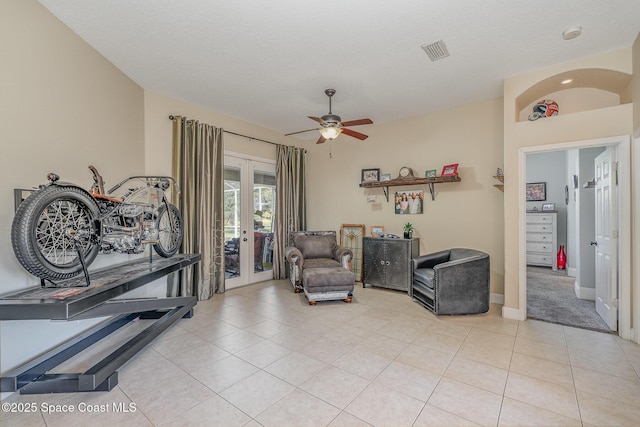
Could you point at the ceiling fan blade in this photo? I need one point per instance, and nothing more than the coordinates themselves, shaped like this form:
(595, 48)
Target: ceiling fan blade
(357, 122)
(353, 133)
(301, 131)
(321, 140)
(317, 119)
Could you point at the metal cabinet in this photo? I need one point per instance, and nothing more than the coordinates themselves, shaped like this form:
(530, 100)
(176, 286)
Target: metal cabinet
(387, 262)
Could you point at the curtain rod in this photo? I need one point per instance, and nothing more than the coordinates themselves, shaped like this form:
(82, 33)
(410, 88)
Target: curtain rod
(171, 117)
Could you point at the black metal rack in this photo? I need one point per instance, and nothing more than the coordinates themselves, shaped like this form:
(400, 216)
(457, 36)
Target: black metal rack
(68, 302)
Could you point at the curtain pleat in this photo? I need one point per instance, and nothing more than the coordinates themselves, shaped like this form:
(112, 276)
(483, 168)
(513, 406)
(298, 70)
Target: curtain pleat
(198, 167)
(291, 214)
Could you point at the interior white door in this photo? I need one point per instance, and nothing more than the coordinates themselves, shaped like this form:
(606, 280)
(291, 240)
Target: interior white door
(605, 242)
(249, 220)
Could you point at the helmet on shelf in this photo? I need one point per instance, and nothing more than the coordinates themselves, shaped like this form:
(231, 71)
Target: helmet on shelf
(544, 108)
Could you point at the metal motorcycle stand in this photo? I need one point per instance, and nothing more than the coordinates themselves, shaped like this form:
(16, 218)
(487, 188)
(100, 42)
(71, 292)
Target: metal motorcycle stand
(93, 301)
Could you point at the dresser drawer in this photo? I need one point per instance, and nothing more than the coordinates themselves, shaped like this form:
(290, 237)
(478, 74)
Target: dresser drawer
(540, 228)
(539, 237)
(539, 219)
(545, 248)
(539, 259)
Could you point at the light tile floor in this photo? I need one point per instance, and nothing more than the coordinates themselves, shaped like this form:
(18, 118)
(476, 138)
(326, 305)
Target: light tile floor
(261, 356)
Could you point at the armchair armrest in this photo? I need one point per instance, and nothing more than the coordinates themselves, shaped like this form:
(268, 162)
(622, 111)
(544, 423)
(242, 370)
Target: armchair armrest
(342, 255)
(295, 259)
(431, 260)
(462, 286)
(293, 255)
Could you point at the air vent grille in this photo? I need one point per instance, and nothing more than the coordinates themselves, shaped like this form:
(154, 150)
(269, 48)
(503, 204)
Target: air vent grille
(435, 51)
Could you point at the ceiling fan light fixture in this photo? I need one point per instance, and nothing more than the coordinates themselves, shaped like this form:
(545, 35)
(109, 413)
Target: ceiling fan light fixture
(330, 132)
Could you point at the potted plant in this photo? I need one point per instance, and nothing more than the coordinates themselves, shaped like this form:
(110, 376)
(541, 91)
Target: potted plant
(408, 230)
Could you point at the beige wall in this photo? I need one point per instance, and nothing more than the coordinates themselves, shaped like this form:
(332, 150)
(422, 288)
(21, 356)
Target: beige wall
(579, 126)
(158, 132)
(635, 83)
(63, 107)
(465, 214)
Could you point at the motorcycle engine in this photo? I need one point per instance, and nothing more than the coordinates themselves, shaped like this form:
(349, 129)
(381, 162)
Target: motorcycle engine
(123, 233)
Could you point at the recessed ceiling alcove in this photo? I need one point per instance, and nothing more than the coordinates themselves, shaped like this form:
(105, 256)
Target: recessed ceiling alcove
(593, 81)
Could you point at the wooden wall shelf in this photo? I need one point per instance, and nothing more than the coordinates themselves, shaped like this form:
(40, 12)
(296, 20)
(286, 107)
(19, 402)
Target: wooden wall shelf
(501, 179)
(411, 181)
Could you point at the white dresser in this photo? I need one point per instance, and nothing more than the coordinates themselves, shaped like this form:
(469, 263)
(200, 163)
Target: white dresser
(542, 238)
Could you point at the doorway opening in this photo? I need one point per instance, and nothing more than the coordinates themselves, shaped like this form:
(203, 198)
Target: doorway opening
(620, 291)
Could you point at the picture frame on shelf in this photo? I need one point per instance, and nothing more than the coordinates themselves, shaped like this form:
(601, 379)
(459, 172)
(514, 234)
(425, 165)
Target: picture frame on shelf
(370, 175)
(536, 191)
(431, 173)
(377, 230)
(449, 170)
(548, 207)
(385, 177)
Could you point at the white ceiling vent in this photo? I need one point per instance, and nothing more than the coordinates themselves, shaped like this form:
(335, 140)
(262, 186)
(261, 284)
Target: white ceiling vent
(437, 50)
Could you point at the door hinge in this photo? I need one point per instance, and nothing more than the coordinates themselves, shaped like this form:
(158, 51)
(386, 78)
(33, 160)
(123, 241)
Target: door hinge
(615, 234)
(615, 170)
(615, 302)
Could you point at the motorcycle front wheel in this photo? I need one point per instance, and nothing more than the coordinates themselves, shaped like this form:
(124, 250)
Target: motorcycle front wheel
(170, 231)
(50, 227)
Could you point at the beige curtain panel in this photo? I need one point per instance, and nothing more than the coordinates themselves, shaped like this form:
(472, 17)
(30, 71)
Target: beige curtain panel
(198, 166)
(291, 213)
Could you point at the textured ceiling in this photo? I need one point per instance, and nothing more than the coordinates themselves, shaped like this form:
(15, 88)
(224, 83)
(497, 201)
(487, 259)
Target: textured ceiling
(269, 62)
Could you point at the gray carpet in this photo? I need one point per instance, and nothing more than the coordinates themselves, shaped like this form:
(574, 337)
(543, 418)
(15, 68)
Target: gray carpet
(551, 298)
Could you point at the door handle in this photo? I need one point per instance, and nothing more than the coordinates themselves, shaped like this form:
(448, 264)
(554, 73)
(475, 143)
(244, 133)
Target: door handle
(593, 243)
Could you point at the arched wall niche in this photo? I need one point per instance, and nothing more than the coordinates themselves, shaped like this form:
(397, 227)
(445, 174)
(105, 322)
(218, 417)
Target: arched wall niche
(591, 80)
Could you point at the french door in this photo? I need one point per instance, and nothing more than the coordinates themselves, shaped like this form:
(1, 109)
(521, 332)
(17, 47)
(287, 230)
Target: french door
(249, 210)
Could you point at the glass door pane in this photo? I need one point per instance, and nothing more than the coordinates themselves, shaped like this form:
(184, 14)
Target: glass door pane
(264, 198)
(232, 220)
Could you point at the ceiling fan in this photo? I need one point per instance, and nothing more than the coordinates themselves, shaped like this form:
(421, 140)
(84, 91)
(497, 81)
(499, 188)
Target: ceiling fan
(332, 125)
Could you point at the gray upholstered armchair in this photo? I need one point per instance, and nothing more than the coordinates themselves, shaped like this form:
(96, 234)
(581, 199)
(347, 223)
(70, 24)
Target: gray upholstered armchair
(313, 249)
(454, 281)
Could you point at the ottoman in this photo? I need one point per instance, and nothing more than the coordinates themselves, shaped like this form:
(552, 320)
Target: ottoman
(327, 283)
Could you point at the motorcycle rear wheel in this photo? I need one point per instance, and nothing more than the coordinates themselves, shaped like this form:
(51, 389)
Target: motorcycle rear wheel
(170, 231)
(46, 227)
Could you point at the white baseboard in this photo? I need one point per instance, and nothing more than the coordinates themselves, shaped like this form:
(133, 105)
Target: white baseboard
(584, 293)
(571, 272)
(496, 299)
(513, 313)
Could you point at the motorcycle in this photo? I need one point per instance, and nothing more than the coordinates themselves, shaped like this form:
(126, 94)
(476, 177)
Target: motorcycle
(58, 231)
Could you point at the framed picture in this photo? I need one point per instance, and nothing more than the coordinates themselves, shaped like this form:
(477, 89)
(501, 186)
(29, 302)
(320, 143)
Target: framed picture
(371, 175)
(548, 207)
(431, 173)
(385, 177)
(449, 170)
(536, 192)
(377, 230)
(409, 202)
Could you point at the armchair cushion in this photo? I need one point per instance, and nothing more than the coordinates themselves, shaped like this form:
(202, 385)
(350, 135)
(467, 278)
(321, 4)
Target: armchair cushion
(315, 246)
